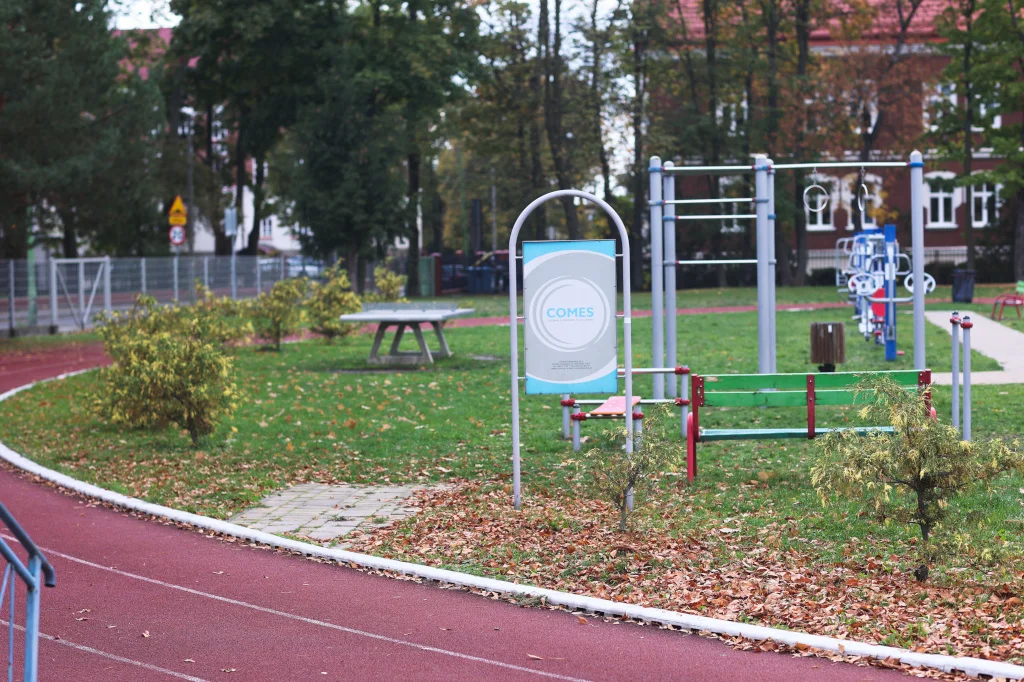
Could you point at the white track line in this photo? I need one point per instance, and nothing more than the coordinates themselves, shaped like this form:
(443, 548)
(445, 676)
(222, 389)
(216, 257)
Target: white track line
(113, 657)
(303, 619)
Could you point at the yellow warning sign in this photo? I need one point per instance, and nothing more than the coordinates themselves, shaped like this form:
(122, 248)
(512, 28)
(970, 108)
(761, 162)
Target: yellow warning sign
(177, 215)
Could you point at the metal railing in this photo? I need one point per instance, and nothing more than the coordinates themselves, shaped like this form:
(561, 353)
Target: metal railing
(34, 572)
(55, 294)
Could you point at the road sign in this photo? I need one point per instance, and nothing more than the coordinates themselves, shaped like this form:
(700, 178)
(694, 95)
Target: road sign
(177, 235)
(177, 215)
(230, 221)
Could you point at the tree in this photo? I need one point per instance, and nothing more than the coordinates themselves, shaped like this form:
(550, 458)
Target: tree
(71, 112)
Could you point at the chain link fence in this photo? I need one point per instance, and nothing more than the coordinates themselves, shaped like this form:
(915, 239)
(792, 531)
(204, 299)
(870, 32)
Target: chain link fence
(62, 294)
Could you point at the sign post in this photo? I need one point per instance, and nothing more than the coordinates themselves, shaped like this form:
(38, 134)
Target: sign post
(569, 316)
(230, 228)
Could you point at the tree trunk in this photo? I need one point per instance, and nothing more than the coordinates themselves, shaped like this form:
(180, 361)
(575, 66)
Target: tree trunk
(239, 184)
(253, 245)
(352, 265)
(968, 17)
(636, 261)
(537, 179)
(70, 242)
(554, 104)
(412, 263)
(1018, 241)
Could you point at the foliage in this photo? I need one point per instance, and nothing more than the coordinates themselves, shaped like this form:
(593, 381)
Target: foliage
(169, 367)
(224, 319)
(914, 475)
(277, 313)
(328, 301)
(615, 474)
(389, 286)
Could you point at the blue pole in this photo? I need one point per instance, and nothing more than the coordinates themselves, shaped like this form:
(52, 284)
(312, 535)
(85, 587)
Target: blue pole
(32, 619)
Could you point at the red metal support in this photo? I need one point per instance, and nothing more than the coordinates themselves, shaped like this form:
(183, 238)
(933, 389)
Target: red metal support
(638, 416)
(691, 447)
(682, 369)
(810, 406)
(568, 402)
(578, 416)
(680, 402)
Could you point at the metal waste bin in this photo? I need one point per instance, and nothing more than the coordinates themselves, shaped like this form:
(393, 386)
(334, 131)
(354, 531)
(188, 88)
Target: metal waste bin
(963, 286)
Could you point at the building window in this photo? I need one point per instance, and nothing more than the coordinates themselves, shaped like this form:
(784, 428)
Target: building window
(823, 220)
(266, 228)
(864, 100)
(985, 204)
(942, 198)
(732, 115)
(940, 98)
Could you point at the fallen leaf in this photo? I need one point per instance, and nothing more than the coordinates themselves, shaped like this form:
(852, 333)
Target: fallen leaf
(582, 620)
(229, 670)
(536, 658)
(145, 633)
(189, 660)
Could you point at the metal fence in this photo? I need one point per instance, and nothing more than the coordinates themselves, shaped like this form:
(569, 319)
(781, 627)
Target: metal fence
(34, 571)
(66, 293)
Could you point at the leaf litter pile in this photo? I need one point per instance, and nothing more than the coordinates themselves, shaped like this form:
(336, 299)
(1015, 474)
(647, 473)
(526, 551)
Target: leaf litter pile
(570, 544)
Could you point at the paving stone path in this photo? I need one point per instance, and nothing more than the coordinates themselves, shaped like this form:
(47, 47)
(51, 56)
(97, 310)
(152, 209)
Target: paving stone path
(988, 337)
(328, 512)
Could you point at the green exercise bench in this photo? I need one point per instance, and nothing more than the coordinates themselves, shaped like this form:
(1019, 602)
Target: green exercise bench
(783, 390)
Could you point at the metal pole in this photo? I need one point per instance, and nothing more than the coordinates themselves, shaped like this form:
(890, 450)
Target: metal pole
(259, 277)
(669, 301)
(494, 214)
(31, 669)
(175, 269)
(142, 274)
(763, 256)
(657, 273)
(189, 191)
(10, 296)
(771, 266)
(106, 284)
(234, 273)
(576, 431)
(81, 287)
(955, 321)
(565, 416)
(917, 253)
(890, 292)
(206, 271)
(53, 295)
(967, 324)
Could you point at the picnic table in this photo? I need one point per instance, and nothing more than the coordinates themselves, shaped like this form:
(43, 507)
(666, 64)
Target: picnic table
(407, 316)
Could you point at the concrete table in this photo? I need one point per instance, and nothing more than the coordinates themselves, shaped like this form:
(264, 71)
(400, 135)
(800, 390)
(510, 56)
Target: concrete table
(403, 316)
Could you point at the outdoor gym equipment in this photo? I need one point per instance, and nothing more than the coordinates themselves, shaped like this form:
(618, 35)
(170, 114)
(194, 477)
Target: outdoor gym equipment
(966, 325)
(663, 249)
(868, 266)
(785, 390)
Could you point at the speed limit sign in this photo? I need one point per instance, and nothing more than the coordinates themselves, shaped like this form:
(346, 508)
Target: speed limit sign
(177, 235)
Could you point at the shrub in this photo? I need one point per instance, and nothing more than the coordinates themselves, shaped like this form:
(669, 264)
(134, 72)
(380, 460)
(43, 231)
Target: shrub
(277, 314)
(330, 300)
(389, 286)
(169, 367)
(613, 473)
(224, 319)
(912, 475)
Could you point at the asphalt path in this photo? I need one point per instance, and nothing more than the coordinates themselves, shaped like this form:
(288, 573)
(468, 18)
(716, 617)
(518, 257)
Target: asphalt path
(137, 599)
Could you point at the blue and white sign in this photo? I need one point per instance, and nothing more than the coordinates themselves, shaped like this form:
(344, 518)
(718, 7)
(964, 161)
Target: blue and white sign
(569, 301)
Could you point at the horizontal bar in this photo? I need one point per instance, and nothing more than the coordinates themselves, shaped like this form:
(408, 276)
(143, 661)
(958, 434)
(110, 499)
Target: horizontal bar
(822, 380)
(755, 398)
(709, 170)
(16, 564)
(842, 164)
(738, 216)
(735, 261)
(739, 200)
(645, 401)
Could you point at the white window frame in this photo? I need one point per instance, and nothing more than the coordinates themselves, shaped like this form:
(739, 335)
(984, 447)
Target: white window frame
(994, 192)
(828, 215)
(267, 228)
(731, 110)
(872, 108)
(732, 225)
(955, 196)
(934, 94)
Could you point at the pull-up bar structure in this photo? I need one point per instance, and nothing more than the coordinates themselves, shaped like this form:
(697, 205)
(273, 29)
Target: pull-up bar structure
(663, 219)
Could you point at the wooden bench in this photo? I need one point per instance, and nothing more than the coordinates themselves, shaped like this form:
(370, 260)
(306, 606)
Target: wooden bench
(1003, 300)
(783, 390)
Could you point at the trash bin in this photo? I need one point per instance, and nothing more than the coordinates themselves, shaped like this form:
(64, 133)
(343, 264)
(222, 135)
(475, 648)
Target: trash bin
(486, 275)
(473, 280)
(963, 286)
(828, 345)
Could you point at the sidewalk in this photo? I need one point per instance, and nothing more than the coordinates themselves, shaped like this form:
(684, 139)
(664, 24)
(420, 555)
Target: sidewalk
(988, 337)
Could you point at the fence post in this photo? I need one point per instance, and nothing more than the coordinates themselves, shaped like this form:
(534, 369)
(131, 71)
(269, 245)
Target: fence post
(53, 295)
(955, 321)
(10, 296)
(206, 271)
(259, 278)
(234, 279)
(967, 324)
(106, 284)
(142, 273)
(282, 267)
(657, 273)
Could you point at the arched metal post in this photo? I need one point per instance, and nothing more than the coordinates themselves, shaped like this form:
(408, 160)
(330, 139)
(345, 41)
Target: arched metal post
(917, 252)
(627, 323)
(657, 273)
(671, 320)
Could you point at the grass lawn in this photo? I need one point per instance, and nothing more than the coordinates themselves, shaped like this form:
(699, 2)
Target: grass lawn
(751, 527)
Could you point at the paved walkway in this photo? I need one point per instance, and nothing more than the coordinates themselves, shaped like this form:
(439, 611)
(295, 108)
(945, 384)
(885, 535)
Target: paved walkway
(988, 337)
(327, 512)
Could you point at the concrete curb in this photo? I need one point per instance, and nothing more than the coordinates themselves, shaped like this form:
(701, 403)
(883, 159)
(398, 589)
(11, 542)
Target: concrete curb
(971, 666)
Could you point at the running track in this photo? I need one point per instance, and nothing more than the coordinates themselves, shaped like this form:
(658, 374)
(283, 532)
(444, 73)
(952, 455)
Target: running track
(140, 600)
